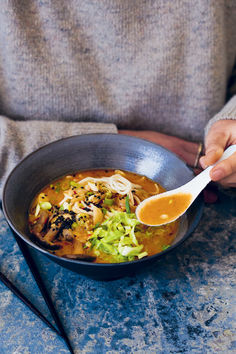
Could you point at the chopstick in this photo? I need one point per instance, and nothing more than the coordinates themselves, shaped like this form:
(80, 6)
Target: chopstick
(34, 270)
(27, 302)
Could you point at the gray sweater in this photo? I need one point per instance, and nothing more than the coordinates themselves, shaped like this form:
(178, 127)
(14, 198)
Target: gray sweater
(162, 65)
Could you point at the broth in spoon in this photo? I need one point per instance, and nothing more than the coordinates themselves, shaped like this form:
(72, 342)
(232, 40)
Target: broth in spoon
(164, 209)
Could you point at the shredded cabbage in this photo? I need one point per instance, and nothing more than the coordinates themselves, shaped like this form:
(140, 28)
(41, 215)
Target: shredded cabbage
(116, 237)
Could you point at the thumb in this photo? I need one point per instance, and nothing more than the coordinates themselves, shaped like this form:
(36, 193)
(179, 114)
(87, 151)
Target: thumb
(215, 144)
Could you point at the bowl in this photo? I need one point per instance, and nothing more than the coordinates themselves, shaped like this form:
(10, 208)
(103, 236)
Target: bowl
(95, 151)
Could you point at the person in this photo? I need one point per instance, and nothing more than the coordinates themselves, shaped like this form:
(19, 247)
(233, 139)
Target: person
(159, 70)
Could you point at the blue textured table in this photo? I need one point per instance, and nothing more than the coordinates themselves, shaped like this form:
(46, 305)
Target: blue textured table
(185, 303)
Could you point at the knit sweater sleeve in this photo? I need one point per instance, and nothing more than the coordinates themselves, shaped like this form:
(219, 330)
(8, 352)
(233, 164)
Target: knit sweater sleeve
(227, 112)
(19, 138)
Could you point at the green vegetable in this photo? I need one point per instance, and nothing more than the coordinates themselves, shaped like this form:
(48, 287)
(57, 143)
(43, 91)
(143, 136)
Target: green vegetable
(74, 184)
(65, 206)
(116, 237)
(143, 254)
(108, 201)
(148, 233)
(97, 225)
(45, 205)
(164, 247)
(74, 225)
(127, 204)
(58, 188)
(104, 211)
(108, 194)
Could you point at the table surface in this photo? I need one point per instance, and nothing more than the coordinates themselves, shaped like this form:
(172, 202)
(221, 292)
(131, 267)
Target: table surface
(184, 303)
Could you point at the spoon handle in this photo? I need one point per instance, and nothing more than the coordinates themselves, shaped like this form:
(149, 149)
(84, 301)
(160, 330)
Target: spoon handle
(227, 153)
(200, 181)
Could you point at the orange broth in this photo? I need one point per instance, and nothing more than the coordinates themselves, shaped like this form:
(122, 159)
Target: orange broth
(164, 210)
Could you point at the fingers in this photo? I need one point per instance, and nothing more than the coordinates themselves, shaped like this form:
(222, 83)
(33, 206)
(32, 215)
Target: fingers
(215, 144)
(225, 170)
(211, 156)
(221, 135)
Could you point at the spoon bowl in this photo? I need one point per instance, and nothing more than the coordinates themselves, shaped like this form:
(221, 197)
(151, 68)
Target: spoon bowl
(168, 206)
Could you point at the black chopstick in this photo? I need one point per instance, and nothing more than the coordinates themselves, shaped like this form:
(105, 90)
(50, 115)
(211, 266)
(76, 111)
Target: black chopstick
(26, 301)
(34, 270)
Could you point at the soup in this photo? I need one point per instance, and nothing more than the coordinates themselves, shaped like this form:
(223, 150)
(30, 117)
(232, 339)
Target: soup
(164, 209)
(90, 215)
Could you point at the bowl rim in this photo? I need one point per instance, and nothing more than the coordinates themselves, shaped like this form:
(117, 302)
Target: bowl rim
(199, 200)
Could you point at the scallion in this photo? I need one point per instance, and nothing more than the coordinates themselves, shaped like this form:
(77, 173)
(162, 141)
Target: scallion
(97, 225)
(127, 204)
(74, 184)
(108, 201)
(45, 205)
(104, 211)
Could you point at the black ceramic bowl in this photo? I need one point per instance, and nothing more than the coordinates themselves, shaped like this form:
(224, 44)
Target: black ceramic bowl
(94, 151)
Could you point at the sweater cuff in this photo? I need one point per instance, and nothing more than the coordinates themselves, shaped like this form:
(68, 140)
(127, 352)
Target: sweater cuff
(227, 112)
(89, 128)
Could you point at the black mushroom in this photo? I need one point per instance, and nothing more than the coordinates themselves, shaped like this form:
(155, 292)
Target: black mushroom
(67, 234)
(53, 225)
(40, 224)
(52, 233)
(82, 257)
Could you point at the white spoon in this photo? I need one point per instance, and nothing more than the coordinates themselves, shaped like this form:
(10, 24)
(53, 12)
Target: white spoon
(168, 206)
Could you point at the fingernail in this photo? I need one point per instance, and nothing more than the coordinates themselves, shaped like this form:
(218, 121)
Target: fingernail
(202, 162)
(217, 174)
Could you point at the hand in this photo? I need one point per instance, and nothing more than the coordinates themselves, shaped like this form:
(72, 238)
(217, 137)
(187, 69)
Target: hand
(186, 150)
(221, 135)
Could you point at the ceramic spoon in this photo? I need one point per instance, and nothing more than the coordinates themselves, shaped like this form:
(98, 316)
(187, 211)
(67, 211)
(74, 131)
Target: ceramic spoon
(168, 206)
